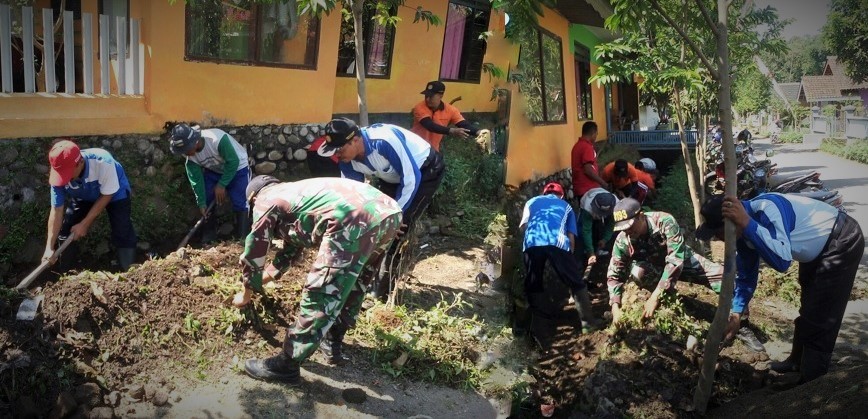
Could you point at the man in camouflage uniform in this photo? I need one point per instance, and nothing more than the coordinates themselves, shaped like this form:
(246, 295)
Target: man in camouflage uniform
(650, 245)
(351, 222)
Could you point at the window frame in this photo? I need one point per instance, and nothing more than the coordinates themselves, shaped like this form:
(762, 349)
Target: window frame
(388, 75)
(254, 44)
(102, 11)
(539, 33)
(582, 56)
(473, 4)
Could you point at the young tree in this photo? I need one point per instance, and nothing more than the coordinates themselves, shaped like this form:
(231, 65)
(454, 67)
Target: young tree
(846, 33)
(753, 92)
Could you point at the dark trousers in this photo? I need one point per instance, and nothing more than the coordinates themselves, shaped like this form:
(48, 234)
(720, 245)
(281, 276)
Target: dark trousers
(563, 262)
(826, 285)
(123, 235)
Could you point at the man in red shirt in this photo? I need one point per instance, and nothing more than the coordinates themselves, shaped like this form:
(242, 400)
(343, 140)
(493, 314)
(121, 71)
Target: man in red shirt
(584, 162)
(432, 117)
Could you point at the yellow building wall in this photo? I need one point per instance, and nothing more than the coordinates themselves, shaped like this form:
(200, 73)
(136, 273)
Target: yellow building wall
(536, 151)
(416, 61)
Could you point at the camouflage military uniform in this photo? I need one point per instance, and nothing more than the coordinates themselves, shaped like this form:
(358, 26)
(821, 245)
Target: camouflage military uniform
(661, 252)
(352, 223)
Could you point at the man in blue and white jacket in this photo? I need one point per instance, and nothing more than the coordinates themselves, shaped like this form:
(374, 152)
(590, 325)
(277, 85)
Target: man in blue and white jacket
(83, 184)
(409, 170)
(780, 229)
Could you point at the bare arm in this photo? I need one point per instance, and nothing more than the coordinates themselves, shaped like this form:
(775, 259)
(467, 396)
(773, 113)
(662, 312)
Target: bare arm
(55, 220)
(80, 229)
(589, 170)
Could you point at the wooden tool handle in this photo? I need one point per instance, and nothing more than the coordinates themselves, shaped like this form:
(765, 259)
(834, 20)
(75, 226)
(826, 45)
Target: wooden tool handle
(44, 265)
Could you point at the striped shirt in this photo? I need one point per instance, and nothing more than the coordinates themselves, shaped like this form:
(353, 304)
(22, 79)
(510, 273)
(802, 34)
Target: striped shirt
(782, 229)
(549, 222)
(393, 155)
(102, 175)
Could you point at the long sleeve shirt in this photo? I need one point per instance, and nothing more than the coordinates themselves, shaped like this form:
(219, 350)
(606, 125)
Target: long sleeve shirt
(586, 220)
(782, 228)
(663, 245)
(394, 155)
(220, 154)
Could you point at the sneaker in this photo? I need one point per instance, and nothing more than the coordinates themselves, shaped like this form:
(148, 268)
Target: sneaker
(750, 340)
(277, 368)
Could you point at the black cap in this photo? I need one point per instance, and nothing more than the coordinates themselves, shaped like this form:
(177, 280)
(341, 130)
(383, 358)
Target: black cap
(184, 138)
(625, 213)
(603, 204)
(339, 132)
(621, 168)
(434, 87)
(712, 212)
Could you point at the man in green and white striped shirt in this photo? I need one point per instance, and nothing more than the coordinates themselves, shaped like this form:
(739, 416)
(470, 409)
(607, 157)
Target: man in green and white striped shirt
(217, 168)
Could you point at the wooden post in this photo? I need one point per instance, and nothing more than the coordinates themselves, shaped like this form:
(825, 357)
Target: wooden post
(357, 7)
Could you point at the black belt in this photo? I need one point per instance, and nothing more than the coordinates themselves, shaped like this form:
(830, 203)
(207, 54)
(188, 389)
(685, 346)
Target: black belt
(434, 161)
(836, 229)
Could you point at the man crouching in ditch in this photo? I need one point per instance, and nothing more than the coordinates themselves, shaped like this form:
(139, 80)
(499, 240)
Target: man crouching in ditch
(352, 223)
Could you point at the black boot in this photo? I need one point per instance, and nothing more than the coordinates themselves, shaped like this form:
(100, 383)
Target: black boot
(332, 346)
(791, 364)
(814, 365)
(126, 257)
(209, 228)
(242, 225)
(277, 368)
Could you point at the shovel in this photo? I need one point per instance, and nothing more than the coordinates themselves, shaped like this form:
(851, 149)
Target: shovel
(197, 225)
(28, 308)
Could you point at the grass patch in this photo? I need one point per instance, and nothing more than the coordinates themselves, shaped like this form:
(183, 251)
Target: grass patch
(857, 151)
(791, 137)
(607, 152)
(670, 318)
(784, 285)
(673, 193)
(436, 345)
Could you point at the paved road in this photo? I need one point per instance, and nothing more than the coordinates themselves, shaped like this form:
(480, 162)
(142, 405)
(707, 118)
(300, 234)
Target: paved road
(851, 179)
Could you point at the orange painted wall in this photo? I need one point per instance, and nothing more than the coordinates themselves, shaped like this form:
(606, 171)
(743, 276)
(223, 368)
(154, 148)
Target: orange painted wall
(416, 61)
(234, 94)
(536, 151)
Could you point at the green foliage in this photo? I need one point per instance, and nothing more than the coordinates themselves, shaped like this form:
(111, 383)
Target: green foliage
(752, 91)
(472, 184)
(493, 71)
(791, 137)
(672, 191)
(830, 110)
(784, 285)
(21, 226)
(607, 152)
(858, 151)
(846, 33)
(669, 319)
(805, 57)
(436, 345)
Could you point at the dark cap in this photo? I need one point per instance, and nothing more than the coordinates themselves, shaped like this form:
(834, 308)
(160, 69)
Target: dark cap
(554, 188)
(621, 168)
(603, 204)
(184, 138)
(712, 213)
(434, 87)
(625, 213)
(256, 184)
(339, 132)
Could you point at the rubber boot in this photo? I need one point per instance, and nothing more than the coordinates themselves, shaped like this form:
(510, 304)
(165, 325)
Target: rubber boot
(332, 345)
(814, 364)
(209, 229)
(69, 257)
(584, 307)
(382, 282)
(791, 364)
(242, 225)
(277, 368)
(126, 257)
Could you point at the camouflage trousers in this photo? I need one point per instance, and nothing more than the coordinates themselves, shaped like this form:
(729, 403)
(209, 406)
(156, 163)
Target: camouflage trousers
(335, 287)
(696, 269)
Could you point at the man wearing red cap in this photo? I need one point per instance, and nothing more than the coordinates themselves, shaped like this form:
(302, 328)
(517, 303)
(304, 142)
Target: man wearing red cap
(549, 226)
(83, 184)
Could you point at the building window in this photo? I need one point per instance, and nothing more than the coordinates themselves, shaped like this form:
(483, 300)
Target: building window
(463, 48)
(379, 40)
(583, 87)
(541, 80)
(244, 32)
(115, 9)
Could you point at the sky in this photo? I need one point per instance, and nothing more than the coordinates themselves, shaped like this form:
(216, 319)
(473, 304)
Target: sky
(809, 15)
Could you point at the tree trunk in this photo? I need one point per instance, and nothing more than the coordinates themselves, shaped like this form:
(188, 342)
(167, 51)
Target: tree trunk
(357, 7)
(688, 161)
(718, 326)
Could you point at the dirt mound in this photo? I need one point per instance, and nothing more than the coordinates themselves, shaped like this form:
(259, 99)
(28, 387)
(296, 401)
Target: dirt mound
(120, 330)
(840, 394)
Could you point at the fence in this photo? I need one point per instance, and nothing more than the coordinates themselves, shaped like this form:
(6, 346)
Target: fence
(653, 140)
(23, 69)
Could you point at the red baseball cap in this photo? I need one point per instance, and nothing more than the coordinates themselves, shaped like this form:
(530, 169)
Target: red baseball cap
(64, 156)
(319, 143)
(555, 188)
